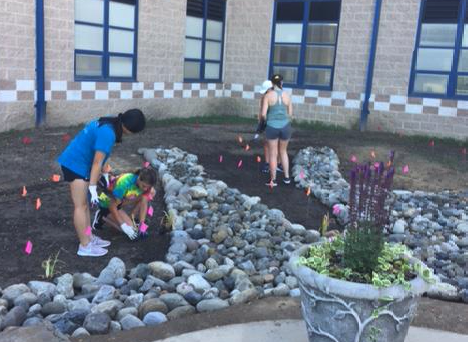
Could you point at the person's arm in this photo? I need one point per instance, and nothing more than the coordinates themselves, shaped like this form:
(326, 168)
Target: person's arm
(96, 167)
(264, 107)
(260, 111)
(289, 105)
(114, 210)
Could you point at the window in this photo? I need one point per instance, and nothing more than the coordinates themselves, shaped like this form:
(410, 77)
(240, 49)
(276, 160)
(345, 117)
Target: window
(105, 40)
(440, 61)
(204, 37)
(304, 42)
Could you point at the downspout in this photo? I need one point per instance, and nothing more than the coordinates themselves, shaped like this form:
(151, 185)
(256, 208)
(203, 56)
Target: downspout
(40, 100)
(370, 66)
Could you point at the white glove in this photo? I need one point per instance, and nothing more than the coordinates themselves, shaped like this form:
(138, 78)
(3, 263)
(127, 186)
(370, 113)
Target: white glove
(94, 195)
(127, 229)
(106, 177)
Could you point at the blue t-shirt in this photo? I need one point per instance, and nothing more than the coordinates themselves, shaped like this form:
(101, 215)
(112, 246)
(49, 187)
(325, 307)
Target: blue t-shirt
(79, 154)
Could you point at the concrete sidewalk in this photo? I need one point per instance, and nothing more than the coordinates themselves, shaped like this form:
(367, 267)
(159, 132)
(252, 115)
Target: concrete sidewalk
(291, 330)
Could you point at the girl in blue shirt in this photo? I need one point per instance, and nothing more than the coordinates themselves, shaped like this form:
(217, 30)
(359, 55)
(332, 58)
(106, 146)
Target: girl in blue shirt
(81, 163)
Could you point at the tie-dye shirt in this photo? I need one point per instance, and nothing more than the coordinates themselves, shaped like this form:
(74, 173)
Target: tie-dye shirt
(123, 188)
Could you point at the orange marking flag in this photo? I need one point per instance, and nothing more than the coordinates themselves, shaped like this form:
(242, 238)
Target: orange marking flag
(66, 137)
(38, 203)
(308, 191)
(259, 159)
(247, 147)
(372, 154)
(28, 247)
(25, 192)
(55, 178)
(239, 139)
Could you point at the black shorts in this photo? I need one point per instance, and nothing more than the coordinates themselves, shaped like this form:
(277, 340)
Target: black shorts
(278, 133)
(70, 176)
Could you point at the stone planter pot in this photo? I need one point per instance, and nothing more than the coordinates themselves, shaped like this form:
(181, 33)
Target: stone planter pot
(343, 311)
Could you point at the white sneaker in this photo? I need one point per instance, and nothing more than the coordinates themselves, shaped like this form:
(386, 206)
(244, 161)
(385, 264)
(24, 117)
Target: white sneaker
(91, 250)
(97, 241)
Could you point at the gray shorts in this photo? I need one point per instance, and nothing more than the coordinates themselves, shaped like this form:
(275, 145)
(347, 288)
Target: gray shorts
(278, 133)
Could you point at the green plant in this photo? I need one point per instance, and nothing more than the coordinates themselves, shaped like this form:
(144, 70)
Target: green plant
(168, 220)
(325, 224)
(51, 265)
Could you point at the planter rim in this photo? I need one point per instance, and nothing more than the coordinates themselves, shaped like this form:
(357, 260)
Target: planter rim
(351, 289)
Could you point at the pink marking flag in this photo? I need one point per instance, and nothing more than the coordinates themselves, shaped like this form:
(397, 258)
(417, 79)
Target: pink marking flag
(55, 178)
(150, 211)
(336, 209)
(463, 151)
(27, 140)
(259, 159)
(25, 192)
(148, 196)
(431, 143)
(239, 164)
(28, 247)
(301, 174)
(220, 158)
(376, 165)
(88, 231)
(143, 227)
(146, 165)
(372, 154)
(405, 169)
(247, 147)
(38, 203)
(353, 159)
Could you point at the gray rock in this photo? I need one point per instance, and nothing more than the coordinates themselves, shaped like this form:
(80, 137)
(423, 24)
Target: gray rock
(399, 227)
(131, 322)
(198, 282)
(173, 300)
(41, 333)
(53, 308)
(208, 305)
(114, 270)
(154, 318)
(97, 323)
(65, 285)
(14, 318)
(126, 311)
(134, 300)
(14, 291)
(26, 299)
(181, 311)
(33, 322)
(193, 297)
(152, 305)
(38, 287)
(110, 307)
(80, 279)
(80, 332)
(162, 270)
(105, 293)
(243, 297)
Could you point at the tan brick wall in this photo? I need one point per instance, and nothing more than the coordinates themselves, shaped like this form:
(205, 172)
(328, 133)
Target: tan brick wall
(353, 45)
(59, 39)
(397, 36)
(161, 40)
(247, 46)
(17, 39)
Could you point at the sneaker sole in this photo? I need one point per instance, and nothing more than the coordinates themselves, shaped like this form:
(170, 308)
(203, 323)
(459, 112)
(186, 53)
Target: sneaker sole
(92, 255)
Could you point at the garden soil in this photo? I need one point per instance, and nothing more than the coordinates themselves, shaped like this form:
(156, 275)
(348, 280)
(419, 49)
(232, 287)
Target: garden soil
(28, 159)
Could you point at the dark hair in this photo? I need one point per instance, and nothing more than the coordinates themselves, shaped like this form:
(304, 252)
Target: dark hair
(147, 175)
(132, 119)
(277, 80)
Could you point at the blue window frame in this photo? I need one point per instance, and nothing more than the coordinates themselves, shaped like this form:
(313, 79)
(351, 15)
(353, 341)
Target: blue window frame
(440, 59)
(204, 40)
(304, 40)
(106, 40)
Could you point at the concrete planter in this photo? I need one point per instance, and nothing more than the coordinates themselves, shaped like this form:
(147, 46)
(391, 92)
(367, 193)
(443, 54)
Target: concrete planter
(343, 311)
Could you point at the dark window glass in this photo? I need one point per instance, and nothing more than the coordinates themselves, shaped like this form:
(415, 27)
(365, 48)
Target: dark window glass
(290, 11)
(195, 8)
(128, 2)
(216, 9)
(324, 11)
(441, 11)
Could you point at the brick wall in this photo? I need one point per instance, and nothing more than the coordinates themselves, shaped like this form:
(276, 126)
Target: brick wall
(247, 48)
(161, 40)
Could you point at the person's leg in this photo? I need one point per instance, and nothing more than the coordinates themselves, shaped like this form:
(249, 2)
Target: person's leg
(283, 154)
(79, 192)
(273, 153)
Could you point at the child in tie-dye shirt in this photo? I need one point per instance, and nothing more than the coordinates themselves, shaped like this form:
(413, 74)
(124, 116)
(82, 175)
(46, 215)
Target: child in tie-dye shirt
(134, 189)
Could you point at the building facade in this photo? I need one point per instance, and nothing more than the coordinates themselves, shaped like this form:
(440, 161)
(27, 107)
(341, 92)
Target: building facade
(181, 58)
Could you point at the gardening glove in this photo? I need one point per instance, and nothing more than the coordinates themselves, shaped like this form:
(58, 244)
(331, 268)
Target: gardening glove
(143, 235)
(94, 195)
(127, 229)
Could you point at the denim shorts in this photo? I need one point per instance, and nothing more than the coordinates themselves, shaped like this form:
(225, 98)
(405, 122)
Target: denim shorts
(279, 133)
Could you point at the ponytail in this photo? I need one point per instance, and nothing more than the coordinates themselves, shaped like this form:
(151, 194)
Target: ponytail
(115, 122)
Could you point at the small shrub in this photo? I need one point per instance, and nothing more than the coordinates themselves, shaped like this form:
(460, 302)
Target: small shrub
(51, 266)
